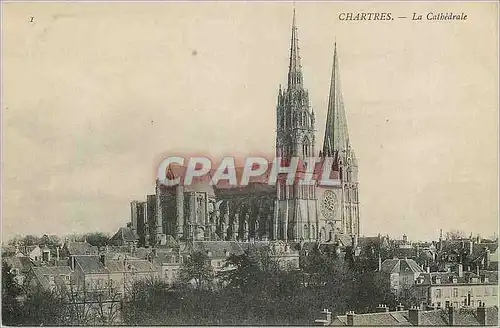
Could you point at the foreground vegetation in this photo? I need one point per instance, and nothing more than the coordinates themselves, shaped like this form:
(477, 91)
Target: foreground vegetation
(254, 292)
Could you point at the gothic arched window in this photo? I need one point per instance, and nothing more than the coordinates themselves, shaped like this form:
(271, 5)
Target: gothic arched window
(306, 147)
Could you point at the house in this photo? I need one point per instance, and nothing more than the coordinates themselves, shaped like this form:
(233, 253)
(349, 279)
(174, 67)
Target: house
(124, 272)
(400, 273)
(371, 247)
(470, 252)
(167, 263)
(98, 274)
(71, 248)
(458, 289)
(90, 275)
(50, 277)
(480, 316)
(34, 253)
(483, 256)
(19, 267)
(125, 236)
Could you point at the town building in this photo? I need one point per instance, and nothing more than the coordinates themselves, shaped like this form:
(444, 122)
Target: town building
(98, 274)
(50, 277)
(19, 267)
(125, 236)
(458, 289)
(480, 316)
(400, 273)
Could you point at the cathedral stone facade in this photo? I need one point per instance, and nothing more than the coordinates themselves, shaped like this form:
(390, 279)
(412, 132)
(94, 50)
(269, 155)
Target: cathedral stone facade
(290, 213)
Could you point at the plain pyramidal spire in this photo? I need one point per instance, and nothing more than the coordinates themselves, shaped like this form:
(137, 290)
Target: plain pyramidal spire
(336, 134)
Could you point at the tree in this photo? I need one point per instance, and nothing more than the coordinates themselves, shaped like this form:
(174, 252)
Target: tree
(51, 241)
(98, 239)
(197, 268)
(148, 301)
(11, 292)
(36, 311)
(240, 271)
(31, 240)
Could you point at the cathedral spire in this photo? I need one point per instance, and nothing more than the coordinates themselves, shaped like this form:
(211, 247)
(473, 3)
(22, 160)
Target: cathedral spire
(336, 134)
(294, 69)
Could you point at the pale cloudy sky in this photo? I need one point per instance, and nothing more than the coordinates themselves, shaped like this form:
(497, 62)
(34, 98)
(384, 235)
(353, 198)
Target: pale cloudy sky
(94, 94)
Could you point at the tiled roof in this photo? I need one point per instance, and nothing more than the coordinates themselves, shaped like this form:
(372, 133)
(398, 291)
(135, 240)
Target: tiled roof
(344, 240)
(114, 266)
(90, 264)
(401, 252)
(81, 248)
(399, 318)
(44, 272)
(218, 248)
(447, 277)
(400, 266)
(125, 234)
(462, 317)
(23, 263)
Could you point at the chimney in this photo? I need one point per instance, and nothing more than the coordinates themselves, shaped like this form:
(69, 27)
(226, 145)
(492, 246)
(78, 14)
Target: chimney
(382, 308)
(324, 322)
(481, 314)
(350, 318)
(414, 316)
(486, 258)
(471, 246)
(57, 253)
(379, 263)
(460, 270)
(451, 315)
(400, 307)
(428, 269)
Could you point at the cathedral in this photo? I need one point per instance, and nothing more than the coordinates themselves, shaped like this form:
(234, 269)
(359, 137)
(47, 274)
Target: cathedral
(258, 211)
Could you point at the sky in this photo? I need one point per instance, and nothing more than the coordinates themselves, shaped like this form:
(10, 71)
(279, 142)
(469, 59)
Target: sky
(94, 95)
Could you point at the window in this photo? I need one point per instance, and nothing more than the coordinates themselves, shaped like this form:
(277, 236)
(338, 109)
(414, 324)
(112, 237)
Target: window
(494, 291)
(455, 304)
(479, 291)
(447, 304)
(472, 303)
(438, 294)
(439, 305)
(486, 291)
(455, 292)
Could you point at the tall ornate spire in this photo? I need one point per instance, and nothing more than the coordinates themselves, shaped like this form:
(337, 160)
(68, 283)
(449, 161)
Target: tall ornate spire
(336, 133)
(294, 69)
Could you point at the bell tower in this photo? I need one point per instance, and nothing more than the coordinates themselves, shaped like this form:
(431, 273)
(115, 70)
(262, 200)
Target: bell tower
(337, 145)
(294, 138)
